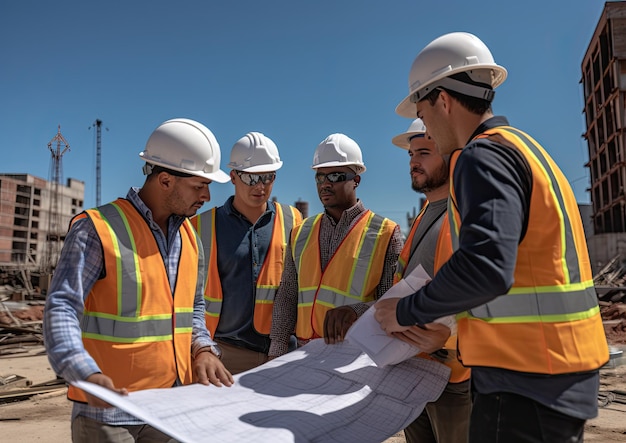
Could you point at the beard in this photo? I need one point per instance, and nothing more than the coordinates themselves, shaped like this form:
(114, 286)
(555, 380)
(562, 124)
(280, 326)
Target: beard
(438, 179)
(177, 205)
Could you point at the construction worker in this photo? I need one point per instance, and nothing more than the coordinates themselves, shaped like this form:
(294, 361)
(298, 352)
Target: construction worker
(528, 320)
(343, 256)
(125, 308)
(245, 242)
(428, 244)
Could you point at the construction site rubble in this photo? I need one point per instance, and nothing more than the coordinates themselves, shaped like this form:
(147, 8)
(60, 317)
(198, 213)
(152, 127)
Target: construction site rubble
(21, 334)
(610, 283)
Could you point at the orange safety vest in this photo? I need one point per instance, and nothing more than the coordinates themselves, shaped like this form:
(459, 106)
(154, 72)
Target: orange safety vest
(351, 276)
(549, 321)
(136, 330)
(269, 276)
(443, 252)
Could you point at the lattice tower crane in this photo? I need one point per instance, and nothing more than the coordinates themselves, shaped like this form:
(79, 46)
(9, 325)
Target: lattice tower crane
(57, 146)
(98, 125)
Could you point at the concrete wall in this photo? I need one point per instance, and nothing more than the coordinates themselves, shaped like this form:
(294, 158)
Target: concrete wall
(604, 247)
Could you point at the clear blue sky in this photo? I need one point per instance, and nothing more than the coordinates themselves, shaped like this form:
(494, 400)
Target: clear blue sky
(296, 71)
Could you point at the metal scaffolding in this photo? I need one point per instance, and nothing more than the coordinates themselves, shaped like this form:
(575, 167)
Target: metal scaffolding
(57, 146)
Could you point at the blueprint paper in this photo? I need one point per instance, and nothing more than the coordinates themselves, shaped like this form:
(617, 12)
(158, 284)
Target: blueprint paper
(317, 393)
(383, 349)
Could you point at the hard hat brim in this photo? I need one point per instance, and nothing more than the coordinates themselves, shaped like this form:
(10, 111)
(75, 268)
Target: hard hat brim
(406, 108)
(259, 168)
(402, 140)
(218, 176)
(331, 164)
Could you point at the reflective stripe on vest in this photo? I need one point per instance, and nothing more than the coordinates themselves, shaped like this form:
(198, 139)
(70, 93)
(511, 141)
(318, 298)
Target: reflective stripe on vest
(150, 328)
(362, 251)
(443, 251)
(405, 254)
(204, 224)
(138, 332)
(549, 321)
(269, 276)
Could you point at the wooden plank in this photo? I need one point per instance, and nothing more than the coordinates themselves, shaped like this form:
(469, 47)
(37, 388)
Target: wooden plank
(24, 394)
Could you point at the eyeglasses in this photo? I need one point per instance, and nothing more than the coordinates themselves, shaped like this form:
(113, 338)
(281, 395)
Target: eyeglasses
(333, 177)
(254, 179)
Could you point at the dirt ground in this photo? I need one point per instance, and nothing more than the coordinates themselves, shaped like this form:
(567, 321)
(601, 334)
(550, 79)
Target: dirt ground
(46, 417)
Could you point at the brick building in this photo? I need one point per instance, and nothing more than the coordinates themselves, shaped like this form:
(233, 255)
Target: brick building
(34, 217)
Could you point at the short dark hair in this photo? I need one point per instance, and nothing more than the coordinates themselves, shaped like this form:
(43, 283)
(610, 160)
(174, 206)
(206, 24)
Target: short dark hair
(156, 169)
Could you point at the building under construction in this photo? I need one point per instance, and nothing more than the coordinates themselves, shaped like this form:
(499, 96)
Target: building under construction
(28, 240)
(604, 88)
(34, 218)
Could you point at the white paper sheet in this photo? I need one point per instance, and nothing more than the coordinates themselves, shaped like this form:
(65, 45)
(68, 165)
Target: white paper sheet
(318, 393)
(367, 334)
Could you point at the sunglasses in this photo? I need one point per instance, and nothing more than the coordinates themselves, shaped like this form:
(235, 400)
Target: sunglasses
(254, 179)
(333, 177)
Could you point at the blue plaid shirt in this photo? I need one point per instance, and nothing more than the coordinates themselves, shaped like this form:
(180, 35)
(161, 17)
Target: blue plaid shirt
(79, 267)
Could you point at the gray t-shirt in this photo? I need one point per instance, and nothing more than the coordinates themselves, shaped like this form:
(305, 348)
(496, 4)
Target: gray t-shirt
(424, 242)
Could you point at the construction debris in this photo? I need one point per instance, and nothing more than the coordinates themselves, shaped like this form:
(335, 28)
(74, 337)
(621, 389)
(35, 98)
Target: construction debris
(19, 394)
(607, 397)
(21, 332)
(610, 284)
(13, 381)
(21, 325)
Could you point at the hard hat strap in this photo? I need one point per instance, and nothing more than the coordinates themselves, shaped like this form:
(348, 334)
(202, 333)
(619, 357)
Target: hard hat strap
(147, 169)
(461, 87)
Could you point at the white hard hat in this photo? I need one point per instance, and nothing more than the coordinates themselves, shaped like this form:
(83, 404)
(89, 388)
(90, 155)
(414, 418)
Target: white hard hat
(338, 150)
(254, 152)
(186, 146)
(447, 55)
(403, 140)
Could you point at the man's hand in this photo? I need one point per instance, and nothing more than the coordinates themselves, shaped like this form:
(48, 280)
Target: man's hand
(106, 382)
(385, 314)
(430, 338)
(336, 323)
(209, 369)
